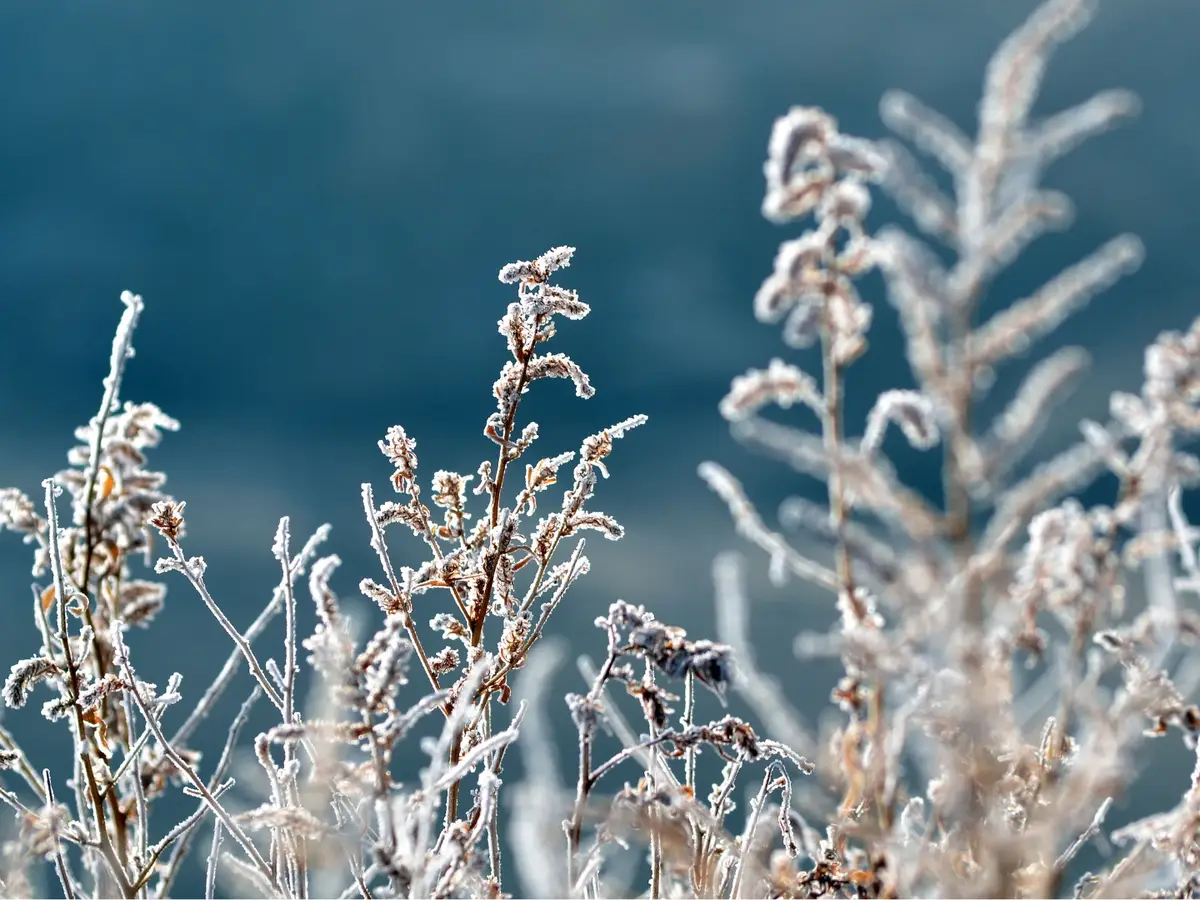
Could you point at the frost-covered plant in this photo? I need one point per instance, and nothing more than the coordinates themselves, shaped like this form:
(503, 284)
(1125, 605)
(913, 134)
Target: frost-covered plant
(955, 773)
(339, 816)
(998, 681)
(995, 689)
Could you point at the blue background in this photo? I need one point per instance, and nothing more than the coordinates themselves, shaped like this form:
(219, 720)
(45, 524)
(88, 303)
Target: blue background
(314, 200)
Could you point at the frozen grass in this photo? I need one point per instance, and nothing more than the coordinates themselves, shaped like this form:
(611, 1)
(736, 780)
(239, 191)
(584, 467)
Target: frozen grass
(996, 687)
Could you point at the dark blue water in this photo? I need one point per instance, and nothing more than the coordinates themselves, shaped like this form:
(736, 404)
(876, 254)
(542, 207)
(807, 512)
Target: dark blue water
(314, 201)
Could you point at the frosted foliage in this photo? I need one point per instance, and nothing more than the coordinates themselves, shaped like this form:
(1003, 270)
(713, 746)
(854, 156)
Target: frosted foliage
(1004, 649)
(950, 771)
(336, 809)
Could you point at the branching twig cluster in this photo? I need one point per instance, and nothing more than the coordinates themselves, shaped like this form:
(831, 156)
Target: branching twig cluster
(338, 814)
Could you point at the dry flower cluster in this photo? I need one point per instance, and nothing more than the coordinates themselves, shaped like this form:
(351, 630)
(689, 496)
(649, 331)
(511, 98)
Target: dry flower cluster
(997, 680)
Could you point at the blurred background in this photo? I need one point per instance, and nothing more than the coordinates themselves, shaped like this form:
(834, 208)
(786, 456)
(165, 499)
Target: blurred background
(314, 202)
